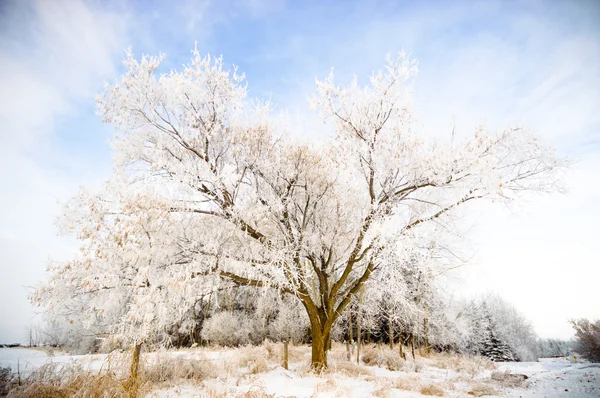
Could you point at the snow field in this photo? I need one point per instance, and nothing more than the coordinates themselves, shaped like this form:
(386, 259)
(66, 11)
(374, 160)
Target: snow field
(256, 372)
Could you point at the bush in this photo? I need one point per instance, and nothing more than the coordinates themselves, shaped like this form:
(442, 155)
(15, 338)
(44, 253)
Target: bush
(289, 325)
(508, 379)
(232, 329)
(588, 338)
(6, 380)
(383, 357)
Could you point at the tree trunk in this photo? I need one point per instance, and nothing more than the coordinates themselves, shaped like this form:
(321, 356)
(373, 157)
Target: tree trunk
(426, 330)
(391, 332)
(132, 383)
(285, 355)
(401, 350)
(348, 351)
(319, 354)
(350, 327)
(358, 332)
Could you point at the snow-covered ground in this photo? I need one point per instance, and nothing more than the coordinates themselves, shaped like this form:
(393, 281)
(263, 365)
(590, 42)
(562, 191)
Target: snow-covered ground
(434, 376)
(26, 360)
(557, 377)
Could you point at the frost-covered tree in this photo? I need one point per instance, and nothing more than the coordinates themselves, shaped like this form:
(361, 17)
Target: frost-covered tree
(514, 329)
(588, 338)
(498, 331)
(404, 302)
(548, 348)
(484, 337)
(208, 188)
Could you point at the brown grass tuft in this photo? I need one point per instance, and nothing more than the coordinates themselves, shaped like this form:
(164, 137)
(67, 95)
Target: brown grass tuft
(256, 392)
(326, 385)
(432, 389)
(52, 381)
(383, 357)
(383, 392)
(508, 379)
(409, 383)
(168, 369)
(480, 389)
(349, 368)
(255, 359)
(470, 364)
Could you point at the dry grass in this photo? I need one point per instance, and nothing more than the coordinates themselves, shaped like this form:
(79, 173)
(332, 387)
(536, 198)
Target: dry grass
(383, 357)
(256, 359)
(470, 364)
(350, 369)
(272, 350)
(53, 381)
(508, 379)
(384, 392)
(481, 389)
(326, 385)
(168, 369)
(56, 381)
(408, 383)
(432, 389)
(256, 392)
(416, 384)
(7, 380)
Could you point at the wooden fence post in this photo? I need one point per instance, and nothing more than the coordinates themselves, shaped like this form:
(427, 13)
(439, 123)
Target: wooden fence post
(348, 351)
(285, 355)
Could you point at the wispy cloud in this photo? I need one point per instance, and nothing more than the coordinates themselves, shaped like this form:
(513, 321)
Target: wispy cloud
(52, 58)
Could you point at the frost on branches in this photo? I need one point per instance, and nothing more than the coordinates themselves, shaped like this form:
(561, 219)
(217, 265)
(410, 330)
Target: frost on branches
(210, 189)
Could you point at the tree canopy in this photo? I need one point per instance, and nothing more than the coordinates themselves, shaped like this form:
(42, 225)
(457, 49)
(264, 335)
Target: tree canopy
(211, 188)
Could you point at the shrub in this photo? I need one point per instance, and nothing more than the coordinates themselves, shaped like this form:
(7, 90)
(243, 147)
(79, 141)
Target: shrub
(383, 357)
(6, 380)
(232, 329)
(588, 338)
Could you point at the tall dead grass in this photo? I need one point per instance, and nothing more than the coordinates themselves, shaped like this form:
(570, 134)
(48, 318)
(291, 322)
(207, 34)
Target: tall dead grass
(469, 364)
(382, 356)
(54, 380)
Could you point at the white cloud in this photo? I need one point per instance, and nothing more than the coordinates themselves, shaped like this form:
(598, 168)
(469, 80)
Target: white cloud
(51, 61)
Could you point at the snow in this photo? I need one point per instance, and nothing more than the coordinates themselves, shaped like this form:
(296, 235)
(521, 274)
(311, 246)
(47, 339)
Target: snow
(557, 377)
(21, 358)
(26, 360)
(546, 378)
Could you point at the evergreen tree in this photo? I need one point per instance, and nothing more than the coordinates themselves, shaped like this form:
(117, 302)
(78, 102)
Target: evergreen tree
(485, 338)
(493, 347)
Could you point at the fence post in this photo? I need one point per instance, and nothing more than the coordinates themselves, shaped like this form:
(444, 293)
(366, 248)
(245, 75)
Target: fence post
(285, 355)
(348, 352)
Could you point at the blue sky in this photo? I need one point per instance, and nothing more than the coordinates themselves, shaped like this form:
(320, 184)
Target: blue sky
(530, 62)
